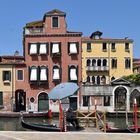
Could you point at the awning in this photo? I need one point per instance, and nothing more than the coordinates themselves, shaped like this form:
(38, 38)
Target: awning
(73, 48)
(73, 75)
(43, 49)
(33, 48)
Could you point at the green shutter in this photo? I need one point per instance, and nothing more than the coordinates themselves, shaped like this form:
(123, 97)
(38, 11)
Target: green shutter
(1, 98)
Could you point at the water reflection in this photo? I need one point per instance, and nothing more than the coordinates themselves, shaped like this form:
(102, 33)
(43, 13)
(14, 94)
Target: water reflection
(13, 124)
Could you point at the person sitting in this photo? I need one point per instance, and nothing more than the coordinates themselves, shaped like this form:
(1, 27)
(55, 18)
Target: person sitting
(71, 118)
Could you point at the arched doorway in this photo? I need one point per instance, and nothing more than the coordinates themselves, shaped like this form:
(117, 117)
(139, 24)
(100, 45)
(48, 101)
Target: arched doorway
(43, 102)
(20, 100)
(120, 99)
(134, 95)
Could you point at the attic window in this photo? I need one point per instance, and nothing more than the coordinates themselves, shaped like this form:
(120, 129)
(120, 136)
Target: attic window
(55, 22)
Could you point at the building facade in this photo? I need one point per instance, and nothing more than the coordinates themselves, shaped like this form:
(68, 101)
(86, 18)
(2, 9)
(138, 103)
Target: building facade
(52, 56)
(7, 81)
(104, 60)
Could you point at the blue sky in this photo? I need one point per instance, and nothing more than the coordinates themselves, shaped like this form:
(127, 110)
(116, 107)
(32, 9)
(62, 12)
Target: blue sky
(115, 18)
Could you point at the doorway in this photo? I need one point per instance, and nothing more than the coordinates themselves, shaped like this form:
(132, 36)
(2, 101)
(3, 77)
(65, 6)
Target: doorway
(73, 103)
(20, 101)
(120, 99)
(43, 102)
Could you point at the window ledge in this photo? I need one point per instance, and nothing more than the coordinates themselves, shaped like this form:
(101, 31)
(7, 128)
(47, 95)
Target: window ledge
(6, 82)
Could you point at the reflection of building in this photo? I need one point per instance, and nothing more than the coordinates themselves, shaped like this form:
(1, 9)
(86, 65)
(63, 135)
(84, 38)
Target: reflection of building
(136, 66)
(52, 55)
(7, 81)
(104, 60)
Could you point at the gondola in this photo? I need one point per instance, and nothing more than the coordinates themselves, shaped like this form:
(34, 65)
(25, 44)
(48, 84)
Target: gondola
(122, 130)
(40, 127)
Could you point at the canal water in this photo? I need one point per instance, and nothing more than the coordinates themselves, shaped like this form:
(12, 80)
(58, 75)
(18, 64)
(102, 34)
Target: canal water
(13, 124)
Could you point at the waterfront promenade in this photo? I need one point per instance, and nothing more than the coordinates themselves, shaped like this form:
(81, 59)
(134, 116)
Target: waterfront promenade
(65, 136)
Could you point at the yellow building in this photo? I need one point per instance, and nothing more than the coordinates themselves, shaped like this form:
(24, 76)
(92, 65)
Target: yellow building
(7, 86)
(105, 59)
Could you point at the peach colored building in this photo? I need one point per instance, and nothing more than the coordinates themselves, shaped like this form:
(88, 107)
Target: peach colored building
(52, 56)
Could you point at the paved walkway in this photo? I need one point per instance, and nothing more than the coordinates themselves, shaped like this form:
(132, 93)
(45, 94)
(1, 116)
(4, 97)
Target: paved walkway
(65, 136)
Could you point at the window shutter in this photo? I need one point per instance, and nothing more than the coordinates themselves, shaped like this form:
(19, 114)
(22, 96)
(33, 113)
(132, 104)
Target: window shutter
(77, 45)
(68, 47)
(9, 75)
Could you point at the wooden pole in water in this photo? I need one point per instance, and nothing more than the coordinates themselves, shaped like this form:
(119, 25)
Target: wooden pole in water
(60, 117)
(135, 115)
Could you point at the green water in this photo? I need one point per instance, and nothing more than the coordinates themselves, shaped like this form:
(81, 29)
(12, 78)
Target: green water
(13, 124)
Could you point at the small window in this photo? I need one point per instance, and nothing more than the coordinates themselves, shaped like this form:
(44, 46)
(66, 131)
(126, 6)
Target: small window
(6, 76)
(106, 100)
(114, 63)
(55, 22)
(19, 75)
(104, 47)
(73, 73)
(88, 62)
(88, 79)
(43, 48)
(127, 63)
(126, 47)
(1, 99)
(88, 47)
(113, 47)
(33, 73)
(73, 47)
(55, 49)
(86, 101)
(43, 73)
(56, 73)
(33, 49)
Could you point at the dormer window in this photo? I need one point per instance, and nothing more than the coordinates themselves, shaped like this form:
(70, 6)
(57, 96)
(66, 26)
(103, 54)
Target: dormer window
(43, 48)
(33, 48)
(56, 73)
(43, 73)
(55, 22)
(73, 47)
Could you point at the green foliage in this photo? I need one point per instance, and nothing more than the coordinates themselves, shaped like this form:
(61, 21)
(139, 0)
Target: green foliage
(134, 78)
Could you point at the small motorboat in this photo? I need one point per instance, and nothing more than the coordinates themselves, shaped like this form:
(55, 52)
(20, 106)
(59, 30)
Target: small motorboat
(40, 127)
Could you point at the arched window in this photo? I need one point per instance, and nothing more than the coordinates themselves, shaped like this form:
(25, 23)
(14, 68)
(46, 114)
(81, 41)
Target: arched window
(127, 63)
(104, 62)
(88, 62)
(94, 62)
(73, 73)
(93, 79)
(98, 80)
(56, 73)
(103, 78)
(98, 62)
(88, 79)
(114, 63)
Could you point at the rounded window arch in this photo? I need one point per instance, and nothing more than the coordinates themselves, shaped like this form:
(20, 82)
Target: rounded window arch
(98, 80)
(94, 62)
(103, 78)
(99, 62)
(43, 102)
(88, 62)
(104, 62)
(88, 79)
(93, 79)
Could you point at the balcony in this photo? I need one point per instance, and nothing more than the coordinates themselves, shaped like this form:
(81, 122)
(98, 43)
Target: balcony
(30, 31)
(97, 68)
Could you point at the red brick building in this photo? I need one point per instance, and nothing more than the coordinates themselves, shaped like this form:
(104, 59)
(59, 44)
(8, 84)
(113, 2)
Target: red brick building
(52, 56)
(136, 66)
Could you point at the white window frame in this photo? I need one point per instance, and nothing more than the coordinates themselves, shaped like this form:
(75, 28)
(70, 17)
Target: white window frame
(75, 78)
(58, 48)
(30, 49)
(22, 74)
(45, 46)
(33, 68)
(45, 73)
(73, 48)
(56, 68)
